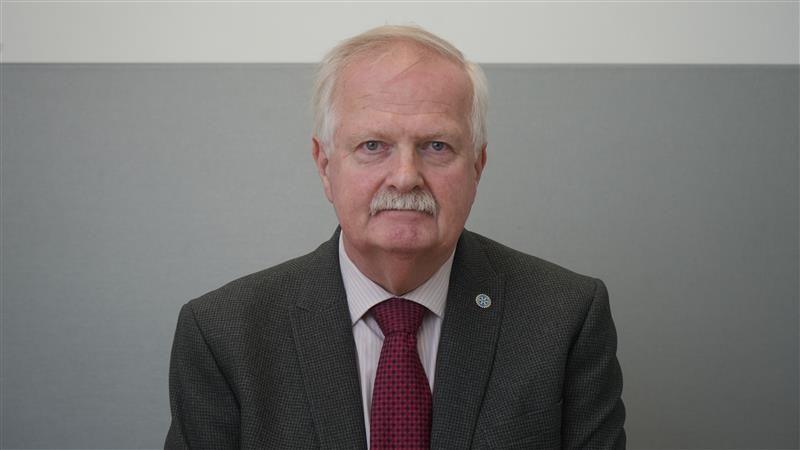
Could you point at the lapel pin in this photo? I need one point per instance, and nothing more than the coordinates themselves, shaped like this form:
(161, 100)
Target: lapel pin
(483, 301)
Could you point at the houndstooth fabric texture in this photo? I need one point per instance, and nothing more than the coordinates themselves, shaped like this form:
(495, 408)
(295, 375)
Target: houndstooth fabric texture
(401, 398)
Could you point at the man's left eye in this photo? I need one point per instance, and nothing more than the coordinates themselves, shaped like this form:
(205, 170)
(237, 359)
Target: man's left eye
(437, 145)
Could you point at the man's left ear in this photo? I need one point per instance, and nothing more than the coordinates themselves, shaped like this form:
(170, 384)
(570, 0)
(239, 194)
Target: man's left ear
(480, 163)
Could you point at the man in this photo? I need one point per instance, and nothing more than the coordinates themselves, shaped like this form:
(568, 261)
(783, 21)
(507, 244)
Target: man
(404, 330)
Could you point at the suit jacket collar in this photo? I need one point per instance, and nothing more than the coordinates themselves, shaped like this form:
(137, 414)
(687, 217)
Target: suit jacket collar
(326, 350)
(467, 345)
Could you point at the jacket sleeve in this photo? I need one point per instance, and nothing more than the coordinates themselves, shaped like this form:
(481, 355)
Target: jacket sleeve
(593, 414)
(205, 412)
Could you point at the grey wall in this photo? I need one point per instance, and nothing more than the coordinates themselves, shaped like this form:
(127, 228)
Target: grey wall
(129, 189)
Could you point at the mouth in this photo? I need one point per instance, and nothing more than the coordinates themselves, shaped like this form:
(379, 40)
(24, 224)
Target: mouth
(401, 211)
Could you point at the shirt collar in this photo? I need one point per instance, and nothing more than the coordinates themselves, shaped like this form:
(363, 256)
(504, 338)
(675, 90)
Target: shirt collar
(363, 293)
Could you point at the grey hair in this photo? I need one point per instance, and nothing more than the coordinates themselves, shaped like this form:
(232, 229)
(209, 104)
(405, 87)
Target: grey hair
(343, 54)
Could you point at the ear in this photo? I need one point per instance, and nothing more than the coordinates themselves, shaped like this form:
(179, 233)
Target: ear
(321, 159)
(480, 163)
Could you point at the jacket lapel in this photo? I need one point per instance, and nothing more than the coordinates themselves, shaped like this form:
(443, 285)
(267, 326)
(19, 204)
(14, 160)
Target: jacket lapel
(324, 339)
(466, 347)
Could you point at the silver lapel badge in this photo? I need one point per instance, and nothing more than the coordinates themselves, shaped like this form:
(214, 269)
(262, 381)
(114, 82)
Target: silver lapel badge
(483, 301)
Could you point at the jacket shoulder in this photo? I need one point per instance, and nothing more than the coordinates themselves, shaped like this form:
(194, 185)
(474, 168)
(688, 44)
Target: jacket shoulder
(268, 294)
(522, 269)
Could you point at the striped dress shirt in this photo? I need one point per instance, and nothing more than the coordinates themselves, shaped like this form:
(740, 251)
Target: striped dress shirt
(363, 294)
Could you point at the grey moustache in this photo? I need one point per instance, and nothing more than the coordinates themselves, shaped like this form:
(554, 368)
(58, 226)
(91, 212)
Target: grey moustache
(417, 200)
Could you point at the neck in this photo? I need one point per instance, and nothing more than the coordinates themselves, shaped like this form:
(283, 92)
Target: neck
(398, 273)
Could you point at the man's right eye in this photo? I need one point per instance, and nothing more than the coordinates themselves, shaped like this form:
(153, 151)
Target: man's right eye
(372, 145)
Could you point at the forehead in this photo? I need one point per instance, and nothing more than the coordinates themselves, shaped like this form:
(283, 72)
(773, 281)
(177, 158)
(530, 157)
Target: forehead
(404, 78)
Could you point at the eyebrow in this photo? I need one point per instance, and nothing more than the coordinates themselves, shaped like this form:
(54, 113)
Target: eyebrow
(447, 134)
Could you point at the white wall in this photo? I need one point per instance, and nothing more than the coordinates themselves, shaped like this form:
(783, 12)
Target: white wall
(488, 32)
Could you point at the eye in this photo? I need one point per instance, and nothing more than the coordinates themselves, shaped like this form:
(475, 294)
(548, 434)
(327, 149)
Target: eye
(372, 145)
(437, 146)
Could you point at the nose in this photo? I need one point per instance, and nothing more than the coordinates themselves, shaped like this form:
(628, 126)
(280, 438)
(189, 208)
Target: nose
(405, 173)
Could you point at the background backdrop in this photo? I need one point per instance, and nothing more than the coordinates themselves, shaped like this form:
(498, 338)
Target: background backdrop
(151, 153)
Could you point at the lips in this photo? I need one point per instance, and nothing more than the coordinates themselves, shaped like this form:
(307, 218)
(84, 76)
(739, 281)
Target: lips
(427, 213)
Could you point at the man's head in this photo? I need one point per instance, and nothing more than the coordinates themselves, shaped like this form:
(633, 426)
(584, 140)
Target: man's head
(395, 142)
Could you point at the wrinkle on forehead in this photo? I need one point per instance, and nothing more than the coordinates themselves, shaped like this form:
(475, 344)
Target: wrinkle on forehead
(387, 102)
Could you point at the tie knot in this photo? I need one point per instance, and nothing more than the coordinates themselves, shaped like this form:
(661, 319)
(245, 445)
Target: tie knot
(398, 315)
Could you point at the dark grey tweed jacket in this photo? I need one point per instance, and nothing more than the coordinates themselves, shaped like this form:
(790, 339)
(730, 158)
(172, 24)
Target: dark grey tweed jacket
(269, 362)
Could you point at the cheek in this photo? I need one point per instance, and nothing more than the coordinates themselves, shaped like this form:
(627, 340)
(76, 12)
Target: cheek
(354, 191)
(457, 194)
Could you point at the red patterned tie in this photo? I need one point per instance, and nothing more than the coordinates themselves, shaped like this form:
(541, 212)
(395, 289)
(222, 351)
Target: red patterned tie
(401, 398)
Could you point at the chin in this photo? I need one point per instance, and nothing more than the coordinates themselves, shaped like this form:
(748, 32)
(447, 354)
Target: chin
(406, 238)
